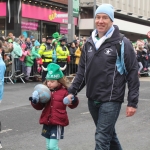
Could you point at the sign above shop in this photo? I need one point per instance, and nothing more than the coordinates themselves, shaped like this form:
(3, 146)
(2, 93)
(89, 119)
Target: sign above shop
(2, 9)
(39, 13)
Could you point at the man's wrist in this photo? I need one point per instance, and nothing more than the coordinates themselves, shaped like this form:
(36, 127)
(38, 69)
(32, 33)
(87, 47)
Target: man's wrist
(132, 105)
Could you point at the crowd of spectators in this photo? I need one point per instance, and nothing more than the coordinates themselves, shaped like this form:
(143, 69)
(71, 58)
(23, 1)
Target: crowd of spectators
(142, 50)
(22, 58)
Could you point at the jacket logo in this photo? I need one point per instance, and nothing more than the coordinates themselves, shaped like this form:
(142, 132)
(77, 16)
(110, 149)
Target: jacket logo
(53, 134)
(108, 51)
(90, 50)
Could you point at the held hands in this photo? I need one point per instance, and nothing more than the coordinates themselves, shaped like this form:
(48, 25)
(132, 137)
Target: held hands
(70, 99)
(130, 111)
(35, 97)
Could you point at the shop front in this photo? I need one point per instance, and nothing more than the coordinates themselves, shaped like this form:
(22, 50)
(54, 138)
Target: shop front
(33, 20)
(41, 22)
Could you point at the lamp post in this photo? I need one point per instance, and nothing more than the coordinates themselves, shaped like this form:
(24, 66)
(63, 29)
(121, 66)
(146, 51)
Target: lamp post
(94, 9)
(70, 21)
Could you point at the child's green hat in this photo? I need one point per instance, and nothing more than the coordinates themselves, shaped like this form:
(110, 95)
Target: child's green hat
(54, 72)
(10, 40)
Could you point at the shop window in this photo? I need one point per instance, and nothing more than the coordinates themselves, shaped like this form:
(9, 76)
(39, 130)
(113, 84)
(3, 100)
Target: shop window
(30, 28)
(2, 26)
(48, 28)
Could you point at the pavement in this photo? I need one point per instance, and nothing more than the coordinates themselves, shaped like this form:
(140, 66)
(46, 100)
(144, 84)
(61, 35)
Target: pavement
(144, 78)
(21, 129)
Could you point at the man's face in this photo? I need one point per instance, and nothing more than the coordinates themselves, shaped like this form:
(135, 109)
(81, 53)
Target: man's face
(49, 41)
(43, 40)
(63, 42)
(73, 45)
(103, 23)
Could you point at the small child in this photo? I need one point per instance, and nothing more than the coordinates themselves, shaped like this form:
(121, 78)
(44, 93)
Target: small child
(54, 115)
(35, 57)
(28, 63)
(22, 58)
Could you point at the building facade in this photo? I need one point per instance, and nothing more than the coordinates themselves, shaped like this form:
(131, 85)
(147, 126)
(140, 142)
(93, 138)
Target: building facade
(37, 18)
(131, 16)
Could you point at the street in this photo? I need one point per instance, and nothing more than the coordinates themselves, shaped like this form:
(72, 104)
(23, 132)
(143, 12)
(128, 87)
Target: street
(21, 130)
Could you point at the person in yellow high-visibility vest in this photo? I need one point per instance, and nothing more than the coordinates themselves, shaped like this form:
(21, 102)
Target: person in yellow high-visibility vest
(62, 53)
(46, 51)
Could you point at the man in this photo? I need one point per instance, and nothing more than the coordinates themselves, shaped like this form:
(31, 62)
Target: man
(105, 74)
(43, 40)
(62, 53)
(10, 36)
(46, 51)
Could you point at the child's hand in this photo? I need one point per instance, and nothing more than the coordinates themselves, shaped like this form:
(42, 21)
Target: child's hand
(68, 99)
(35, 97)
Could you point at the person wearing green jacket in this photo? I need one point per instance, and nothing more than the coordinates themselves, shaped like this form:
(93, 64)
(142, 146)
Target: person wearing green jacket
(35, 50)
(35, 56)
(28, 63)
(46, 51)
(16, 54)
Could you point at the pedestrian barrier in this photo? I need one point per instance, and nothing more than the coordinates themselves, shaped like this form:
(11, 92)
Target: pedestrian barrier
(16, 73)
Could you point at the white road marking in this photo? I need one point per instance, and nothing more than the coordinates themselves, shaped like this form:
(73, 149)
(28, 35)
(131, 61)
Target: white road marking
(3, 131)
(84, 113)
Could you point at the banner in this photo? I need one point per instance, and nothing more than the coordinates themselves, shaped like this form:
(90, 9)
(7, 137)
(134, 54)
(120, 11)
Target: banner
(75, 8)
(2, 9)
(39, 13)
(29, 25)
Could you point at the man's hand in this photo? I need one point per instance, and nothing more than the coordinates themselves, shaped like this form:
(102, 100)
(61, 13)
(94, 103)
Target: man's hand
(130, 111)
(69, 98)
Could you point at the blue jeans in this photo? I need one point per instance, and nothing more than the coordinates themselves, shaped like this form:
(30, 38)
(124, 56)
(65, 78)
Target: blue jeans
(105, 116)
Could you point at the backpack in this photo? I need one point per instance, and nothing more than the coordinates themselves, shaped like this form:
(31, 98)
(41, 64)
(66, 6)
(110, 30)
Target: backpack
(118, 45)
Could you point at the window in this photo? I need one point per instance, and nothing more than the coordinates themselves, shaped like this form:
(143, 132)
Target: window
(2, 26)
(30, 28)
